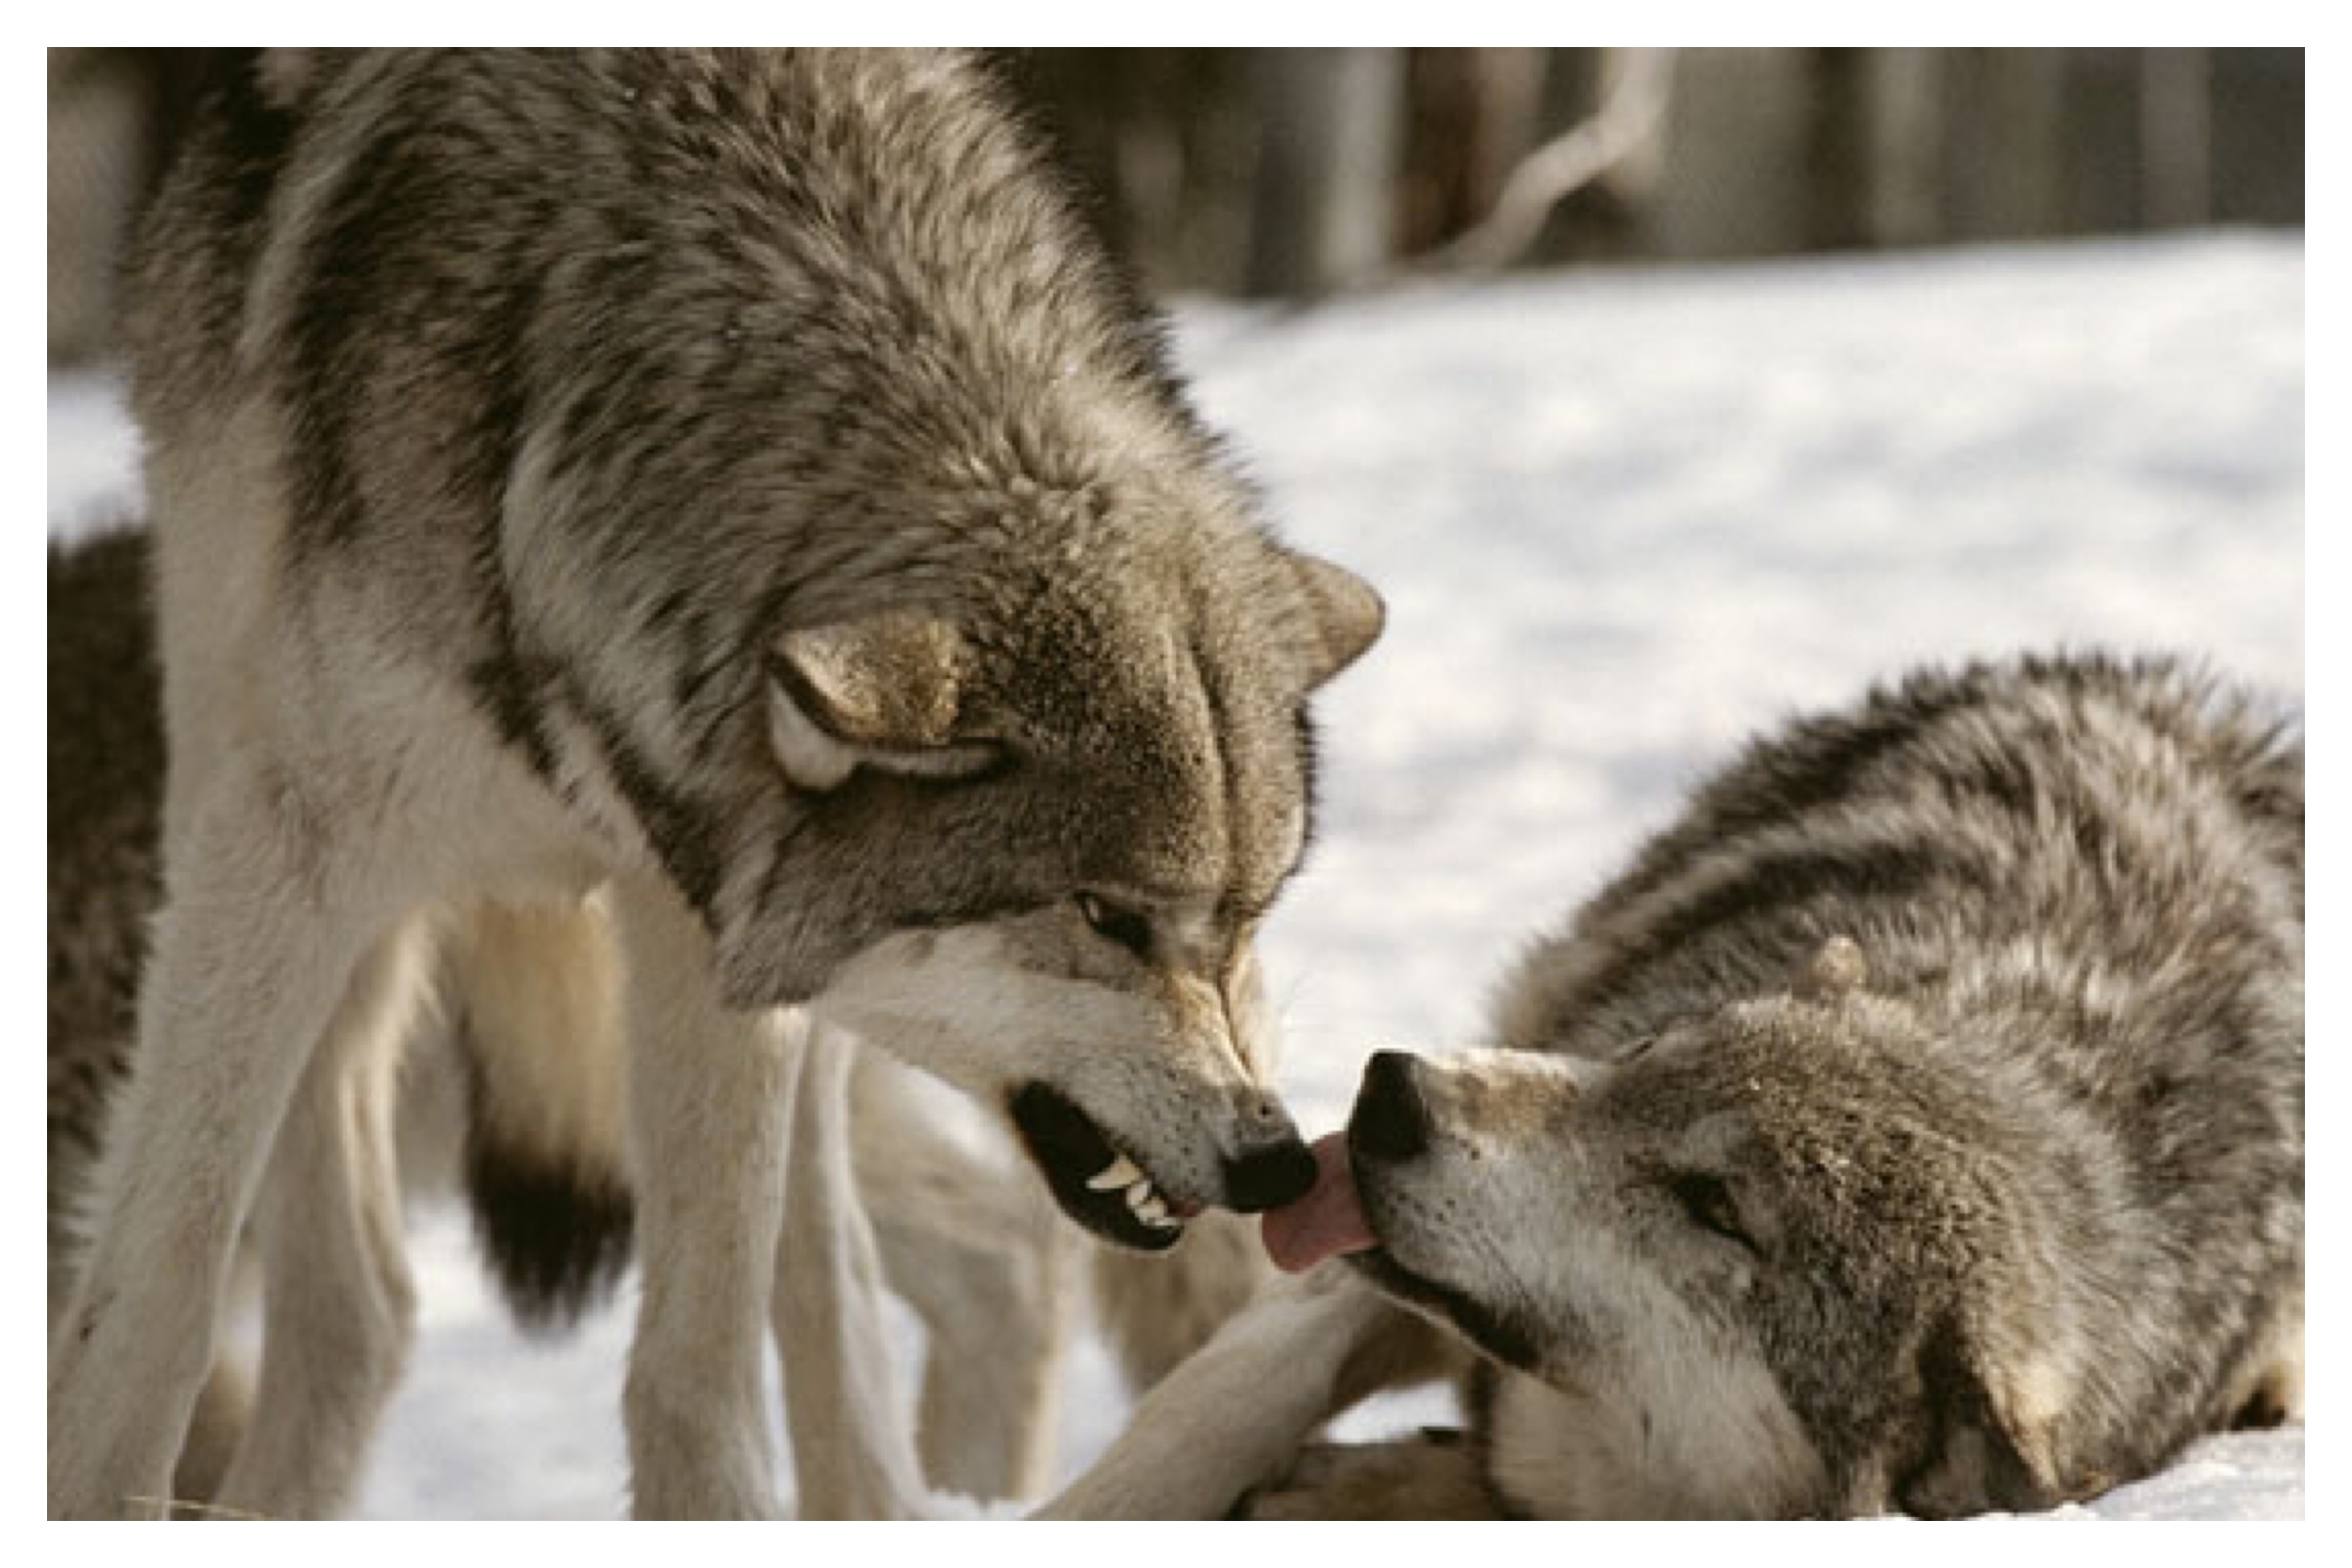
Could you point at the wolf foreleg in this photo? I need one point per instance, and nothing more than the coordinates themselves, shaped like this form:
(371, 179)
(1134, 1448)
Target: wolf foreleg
(338, 1301)
(1234, 1415)
(251, 959)
(853, 1442)
(972, 1243)
(710, 1102)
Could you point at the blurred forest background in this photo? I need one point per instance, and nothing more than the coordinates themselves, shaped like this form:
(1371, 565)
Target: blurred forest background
(1296, 174)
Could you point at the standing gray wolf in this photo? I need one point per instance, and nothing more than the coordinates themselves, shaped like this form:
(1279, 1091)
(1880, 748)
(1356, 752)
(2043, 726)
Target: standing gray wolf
(1917, 1124)
(529, 1134)
(726, 504)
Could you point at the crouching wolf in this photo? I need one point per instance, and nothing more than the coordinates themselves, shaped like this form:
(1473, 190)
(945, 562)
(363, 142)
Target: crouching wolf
(729, 501)
(1917, 1124)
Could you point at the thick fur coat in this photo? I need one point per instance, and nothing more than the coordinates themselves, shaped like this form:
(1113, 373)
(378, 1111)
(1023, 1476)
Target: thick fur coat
(1916, 1124)
(724, 504)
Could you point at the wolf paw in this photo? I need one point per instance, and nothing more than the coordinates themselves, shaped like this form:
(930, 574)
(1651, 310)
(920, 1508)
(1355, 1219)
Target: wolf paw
(1432, 1476)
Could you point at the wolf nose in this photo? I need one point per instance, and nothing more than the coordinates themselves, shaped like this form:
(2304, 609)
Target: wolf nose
(1270, 1177)
(1390, 1121)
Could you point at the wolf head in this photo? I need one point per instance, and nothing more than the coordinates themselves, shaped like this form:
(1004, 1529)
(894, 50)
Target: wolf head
(1023, 829)
(862, 540)
(1773, 1262)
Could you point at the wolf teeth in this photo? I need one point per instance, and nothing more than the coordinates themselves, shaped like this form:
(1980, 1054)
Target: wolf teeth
(1120, 1173)
(1144, 1200)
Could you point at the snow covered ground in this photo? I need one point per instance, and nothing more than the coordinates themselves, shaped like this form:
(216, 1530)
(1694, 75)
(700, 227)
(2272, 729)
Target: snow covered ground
(1621, 519)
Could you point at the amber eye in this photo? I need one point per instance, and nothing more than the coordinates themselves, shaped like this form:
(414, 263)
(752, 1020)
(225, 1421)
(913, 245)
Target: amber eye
(1707, 1201)
(1127, 928)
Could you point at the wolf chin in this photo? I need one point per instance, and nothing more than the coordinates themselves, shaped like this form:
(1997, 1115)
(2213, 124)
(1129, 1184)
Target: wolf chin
(726, 504)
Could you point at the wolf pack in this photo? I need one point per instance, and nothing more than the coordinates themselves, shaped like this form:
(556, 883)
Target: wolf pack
(694, 681)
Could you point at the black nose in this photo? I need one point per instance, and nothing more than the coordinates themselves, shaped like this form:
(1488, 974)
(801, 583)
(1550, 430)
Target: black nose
(1269, 1177)
(1390, 1121)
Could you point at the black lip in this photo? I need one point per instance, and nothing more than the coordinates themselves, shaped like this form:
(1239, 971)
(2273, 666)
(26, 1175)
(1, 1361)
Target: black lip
(1493, 1332)
(1067, 1149)
(1496, 1333)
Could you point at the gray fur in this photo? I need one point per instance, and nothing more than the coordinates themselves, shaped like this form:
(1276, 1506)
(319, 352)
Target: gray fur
(788, 338)
(530, 1136)
(728, 500)
(1925, 1107)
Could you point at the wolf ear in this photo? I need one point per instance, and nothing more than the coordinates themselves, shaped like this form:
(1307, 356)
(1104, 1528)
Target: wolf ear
(882, 693)
(1345, 615)
(1835, 968)
(1981, 1457)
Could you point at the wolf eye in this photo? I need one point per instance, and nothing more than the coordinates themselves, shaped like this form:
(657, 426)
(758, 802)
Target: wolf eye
(1127, 928)
(1707, 1201)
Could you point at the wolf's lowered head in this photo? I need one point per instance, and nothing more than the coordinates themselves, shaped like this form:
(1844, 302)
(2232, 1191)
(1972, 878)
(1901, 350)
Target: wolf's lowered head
(1025, 835)
(1783, 1259)
(862, 539)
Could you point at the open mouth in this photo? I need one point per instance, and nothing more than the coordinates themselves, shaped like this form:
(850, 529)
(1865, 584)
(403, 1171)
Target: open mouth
(1097, 1183)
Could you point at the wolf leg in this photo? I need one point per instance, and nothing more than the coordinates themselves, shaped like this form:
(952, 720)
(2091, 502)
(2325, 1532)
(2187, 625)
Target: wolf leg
(968, 1240)
(710, 1102)
(338, 1305)
(251, 959)
(1233, 1415)
(852, 1440)
(1158, 1309)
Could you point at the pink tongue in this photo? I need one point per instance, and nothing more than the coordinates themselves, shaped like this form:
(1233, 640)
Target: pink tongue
(1326, 1222)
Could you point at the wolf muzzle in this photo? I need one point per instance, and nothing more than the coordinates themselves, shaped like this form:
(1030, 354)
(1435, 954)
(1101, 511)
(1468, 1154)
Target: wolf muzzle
(1271, 1176)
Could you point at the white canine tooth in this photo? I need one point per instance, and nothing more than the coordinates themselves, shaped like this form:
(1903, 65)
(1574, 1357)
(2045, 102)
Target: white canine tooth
(1140, 1191)
(1163, 1223)
(1120, 1173)
(1151, 1211)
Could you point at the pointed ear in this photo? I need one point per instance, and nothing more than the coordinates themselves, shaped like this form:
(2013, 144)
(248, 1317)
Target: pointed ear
(881, 692)
(1833, 969)
(1345, 615)
(1985, 1453)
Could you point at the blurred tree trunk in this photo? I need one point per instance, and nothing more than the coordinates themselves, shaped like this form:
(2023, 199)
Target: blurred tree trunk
(1165, 143)
(1331, 126)
(2003, 114)
(1903, 111)
(2257, 136)
(2101, 154)
(1593, 224)
(1738, 150)
(1842, 150)
(1471, 115)
(2175, 137)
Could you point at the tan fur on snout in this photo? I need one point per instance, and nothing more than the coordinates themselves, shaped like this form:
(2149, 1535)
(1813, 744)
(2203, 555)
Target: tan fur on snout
(1178, 1099)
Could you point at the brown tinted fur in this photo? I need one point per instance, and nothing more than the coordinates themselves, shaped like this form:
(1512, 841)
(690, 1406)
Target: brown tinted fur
(1917, 1124)
(531, 438)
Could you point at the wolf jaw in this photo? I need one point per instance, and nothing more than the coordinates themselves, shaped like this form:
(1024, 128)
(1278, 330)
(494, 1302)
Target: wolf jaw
(1096, 1184)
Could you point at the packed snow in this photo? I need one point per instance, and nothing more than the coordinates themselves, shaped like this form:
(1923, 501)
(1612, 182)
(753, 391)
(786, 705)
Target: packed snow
(1621, 519)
